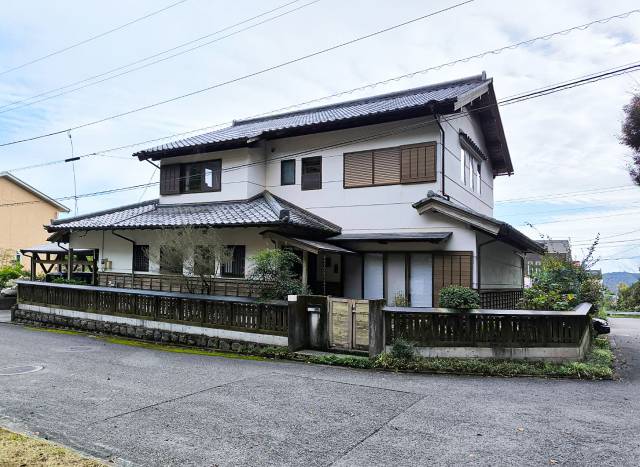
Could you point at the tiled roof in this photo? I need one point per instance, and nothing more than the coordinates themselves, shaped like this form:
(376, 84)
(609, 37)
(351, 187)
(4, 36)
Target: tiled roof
(506, 232)
(244, 130)
(264, 209)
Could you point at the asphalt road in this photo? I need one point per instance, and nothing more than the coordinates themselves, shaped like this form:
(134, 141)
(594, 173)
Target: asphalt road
(148, 407)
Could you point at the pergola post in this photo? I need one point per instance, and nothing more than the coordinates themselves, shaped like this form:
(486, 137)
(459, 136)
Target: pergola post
(33, 266)
(305, 267)
(69, 263)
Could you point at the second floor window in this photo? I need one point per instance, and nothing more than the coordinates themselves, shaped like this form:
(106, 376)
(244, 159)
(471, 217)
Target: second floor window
(414, 163)
(470, 171)
(288, 172)
(191, 178)
(311, 173)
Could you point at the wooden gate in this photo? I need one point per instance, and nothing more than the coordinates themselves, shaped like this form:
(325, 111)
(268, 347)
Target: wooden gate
(348, 323)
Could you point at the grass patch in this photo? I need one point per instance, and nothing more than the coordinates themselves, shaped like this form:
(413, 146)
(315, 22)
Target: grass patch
(20, 450)
(177, 349)
(597, 365)
(614, 315)
(56, 331)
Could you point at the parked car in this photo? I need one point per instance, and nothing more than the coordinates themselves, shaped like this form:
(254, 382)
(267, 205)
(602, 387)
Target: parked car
(601, 326)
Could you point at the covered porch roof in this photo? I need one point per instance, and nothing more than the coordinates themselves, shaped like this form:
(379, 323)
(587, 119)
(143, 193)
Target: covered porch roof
(312, 246)
(498, 229)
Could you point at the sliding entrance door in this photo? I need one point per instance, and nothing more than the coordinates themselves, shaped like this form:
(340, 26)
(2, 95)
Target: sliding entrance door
(421, 279)
(373, 276)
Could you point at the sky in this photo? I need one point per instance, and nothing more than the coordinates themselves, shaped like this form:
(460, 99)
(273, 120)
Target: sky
(570, 179)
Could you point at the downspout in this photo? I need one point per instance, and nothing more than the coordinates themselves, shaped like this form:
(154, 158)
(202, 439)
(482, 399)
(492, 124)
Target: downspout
(442, 142)
(133, 243)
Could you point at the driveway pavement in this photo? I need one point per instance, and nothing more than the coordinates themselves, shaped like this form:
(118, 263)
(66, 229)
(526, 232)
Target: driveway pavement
(147, 407)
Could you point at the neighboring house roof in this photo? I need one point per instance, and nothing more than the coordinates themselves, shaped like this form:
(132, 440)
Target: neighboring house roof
(261, 210)
(446, 97)
(498, 229)
(556, 246)
(25, 186)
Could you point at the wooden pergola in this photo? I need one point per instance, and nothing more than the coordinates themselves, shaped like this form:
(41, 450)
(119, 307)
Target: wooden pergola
(50, 256)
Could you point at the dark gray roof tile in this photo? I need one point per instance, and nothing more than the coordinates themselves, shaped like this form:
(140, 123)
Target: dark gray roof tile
(243, 130)
(151, 214)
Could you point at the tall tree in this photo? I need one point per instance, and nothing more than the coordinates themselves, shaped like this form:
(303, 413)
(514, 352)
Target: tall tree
(631, 135)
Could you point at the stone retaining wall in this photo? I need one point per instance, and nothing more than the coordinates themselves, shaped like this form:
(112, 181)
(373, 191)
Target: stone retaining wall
(51, 320)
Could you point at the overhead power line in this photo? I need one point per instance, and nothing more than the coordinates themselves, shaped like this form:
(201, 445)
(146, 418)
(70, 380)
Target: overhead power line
(307, 151)
(243, 77)
(370, 85)
(26, 102)
(530, 41)
(90, 39)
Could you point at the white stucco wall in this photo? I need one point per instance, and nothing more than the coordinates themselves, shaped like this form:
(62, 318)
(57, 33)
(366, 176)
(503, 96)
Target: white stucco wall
(120, 251)
(501, 266)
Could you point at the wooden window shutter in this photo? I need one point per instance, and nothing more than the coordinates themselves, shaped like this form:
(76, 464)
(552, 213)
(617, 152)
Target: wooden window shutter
(418, 163)
(386, 166)
(454, 268)
(170, 179)
(358, 169)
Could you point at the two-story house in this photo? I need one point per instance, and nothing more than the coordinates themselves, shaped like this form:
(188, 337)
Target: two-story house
(387, 196)
(23, 212)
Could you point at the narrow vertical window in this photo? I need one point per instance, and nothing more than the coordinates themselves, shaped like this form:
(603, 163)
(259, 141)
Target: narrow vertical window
(463, 156)
(478, 178)
(288, 172)
(311, 173)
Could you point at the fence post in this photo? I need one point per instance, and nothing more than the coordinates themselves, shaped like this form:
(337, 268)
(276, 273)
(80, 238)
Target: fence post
(297, 319)
(376, 327)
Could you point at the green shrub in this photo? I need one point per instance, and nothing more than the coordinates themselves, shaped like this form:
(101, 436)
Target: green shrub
(11, 271)
(560, 285)
(456, 296)
(274, 270)
(64, 280)
(400, 299)
(629, 297)
(403, 350)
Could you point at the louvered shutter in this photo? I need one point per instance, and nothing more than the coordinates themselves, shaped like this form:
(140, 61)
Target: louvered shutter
(454, 268)
(358, 169)
(386, 166)
(418, 163)
(169, 179)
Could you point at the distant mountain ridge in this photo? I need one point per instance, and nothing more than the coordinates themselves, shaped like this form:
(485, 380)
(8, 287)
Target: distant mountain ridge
(612, 279)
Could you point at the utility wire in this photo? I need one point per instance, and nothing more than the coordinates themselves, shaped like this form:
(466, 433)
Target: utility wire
(315, 149)
(14, 105)
(90, 39)
(527, 42)
(243, 77)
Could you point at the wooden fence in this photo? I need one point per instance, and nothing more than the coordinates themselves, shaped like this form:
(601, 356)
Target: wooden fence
(439, 327)
(182, 284)
(500, 299)
(234, 313)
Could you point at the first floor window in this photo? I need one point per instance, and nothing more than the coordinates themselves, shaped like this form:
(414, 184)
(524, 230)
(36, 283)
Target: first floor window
(171, 260)
(141, 258)
(288, 172)
(235, 266)
(204, 260)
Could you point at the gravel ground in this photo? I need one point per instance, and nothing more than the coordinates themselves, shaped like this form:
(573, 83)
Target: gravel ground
(147, 407)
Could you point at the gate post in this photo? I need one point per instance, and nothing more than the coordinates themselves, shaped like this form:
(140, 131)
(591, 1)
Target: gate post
(376, 327)
(297, 320)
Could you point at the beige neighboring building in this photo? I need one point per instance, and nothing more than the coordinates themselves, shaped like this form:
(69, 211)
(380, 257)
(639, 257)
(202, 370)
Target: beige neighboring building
(23, 213)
